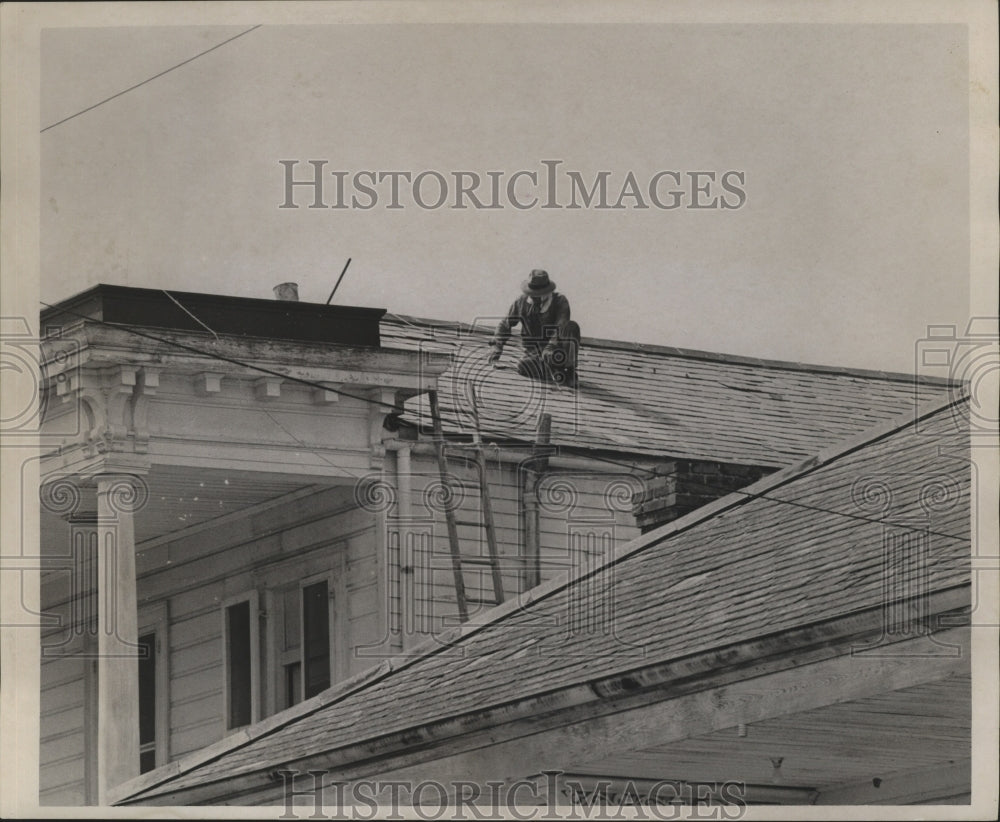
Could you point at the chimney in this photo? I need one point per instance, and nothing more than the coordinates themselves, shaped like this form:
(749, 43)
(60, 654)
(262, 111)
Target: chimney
(684, 485)
(287, 291)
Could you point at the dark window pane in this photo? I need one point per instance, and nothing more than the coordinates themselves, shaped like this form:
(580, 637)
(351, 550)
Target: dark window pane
(147, 761)
(147, 689)
(293, 683)
(316, 639)
(238, 664)
(291, 618)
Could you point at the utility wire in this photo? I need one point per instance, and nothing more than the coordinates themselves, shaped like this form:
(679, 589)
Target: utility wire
(192, 316)
(344, 471)
(149, 80)
(505, 435)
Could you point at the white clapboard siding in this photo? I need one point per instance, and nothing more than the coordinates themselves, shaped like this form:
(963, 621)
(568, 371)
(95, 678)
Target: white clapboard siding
(191, 576)
(61, 745)
(583, 516)
(310, 535)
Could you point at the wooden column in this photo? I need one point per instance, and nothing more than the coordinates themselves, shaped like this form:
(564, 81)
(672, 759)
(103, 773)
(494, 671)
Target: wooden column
(117, 750)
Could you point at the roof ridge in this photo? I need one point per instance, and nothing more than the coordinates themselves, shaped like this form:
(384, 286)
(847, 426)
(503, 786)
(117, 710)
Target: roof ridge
(696, 354)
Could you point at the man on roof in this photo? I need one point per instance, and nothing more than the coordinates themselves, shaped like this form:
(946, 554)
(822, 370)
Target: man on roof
(550, 338)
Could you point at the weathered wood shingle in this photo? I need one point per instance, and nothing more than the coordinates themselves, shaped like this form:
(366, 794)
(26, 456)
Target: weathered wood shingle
(660, 401)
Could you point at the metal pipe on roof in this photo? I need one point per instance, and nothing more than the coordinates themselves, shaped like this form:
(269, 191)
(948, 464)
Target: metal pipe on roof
(341, 277)
(287, 291)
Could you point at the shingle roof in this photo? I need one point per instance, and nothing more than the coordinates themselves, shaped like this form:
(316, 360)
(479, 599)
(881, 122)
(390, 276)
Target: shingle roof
(662, 402)
(801, 546)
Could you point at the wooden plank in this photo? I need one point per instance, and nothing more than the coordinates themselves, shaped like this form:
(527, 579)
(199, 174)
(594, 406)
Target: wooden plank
(62, 774)
(903, 788)
(72, 794)
(206, 711)
(63, 748)
(59, 723)
(362, 601)
(65, 695)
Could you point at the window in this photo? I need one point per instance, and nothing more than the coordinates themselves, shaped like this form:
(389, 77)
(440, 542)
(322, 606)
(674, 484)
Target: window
(240, 664)
(291, 665)
(316, 637)
(302, 641)
(240, 634)
(147, 702)
(154, 686)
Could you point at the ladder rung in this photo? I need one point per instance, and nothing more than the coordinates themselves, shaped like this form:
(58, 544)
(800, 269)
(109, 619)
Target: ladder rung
(506, 562)
(476, 560)
(478, 601)
(468, 522)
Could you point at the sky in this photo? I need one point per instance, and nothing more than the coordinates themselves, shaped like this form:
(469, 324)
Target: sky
(852, 142)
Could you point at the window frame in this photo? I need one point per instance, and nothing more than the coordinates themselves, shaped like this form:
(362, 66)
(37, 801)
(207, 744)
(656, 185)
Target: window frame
(155, 620)
(331, 600)
(279, 657)
(253, 598)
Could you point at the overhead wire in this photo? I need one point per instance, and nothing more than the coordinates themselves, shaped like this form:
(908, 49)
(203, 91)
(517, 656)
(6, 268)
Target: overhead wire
(149, 79)
(192, 316)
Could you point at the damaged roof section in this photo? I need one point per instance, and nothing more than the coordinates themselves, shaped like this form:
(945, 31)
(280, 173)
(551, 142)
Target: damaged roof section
(654, 401)
(775, 565)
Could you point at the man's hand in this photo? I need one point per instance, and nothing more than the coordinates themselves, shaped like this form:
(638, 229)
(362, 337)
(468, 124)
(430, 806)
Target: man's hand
(494, 357)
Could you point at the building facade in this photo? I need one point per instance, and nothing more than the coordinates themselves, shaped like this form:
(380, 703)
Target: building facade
(244, 506)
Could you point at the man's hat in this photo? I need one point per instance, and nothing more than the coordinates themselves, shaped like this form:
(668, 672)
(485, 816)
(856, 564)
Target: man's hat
(538, 284)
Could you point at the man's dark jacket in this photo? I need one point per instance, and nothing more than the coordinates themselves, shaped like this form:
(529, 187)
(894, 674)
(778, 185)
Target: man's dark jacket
(539, 329)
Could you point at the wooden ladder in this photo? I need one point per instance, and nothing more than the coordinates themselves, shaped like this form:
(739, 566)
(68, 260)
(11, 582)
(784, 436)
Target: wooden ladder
(458, 559)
